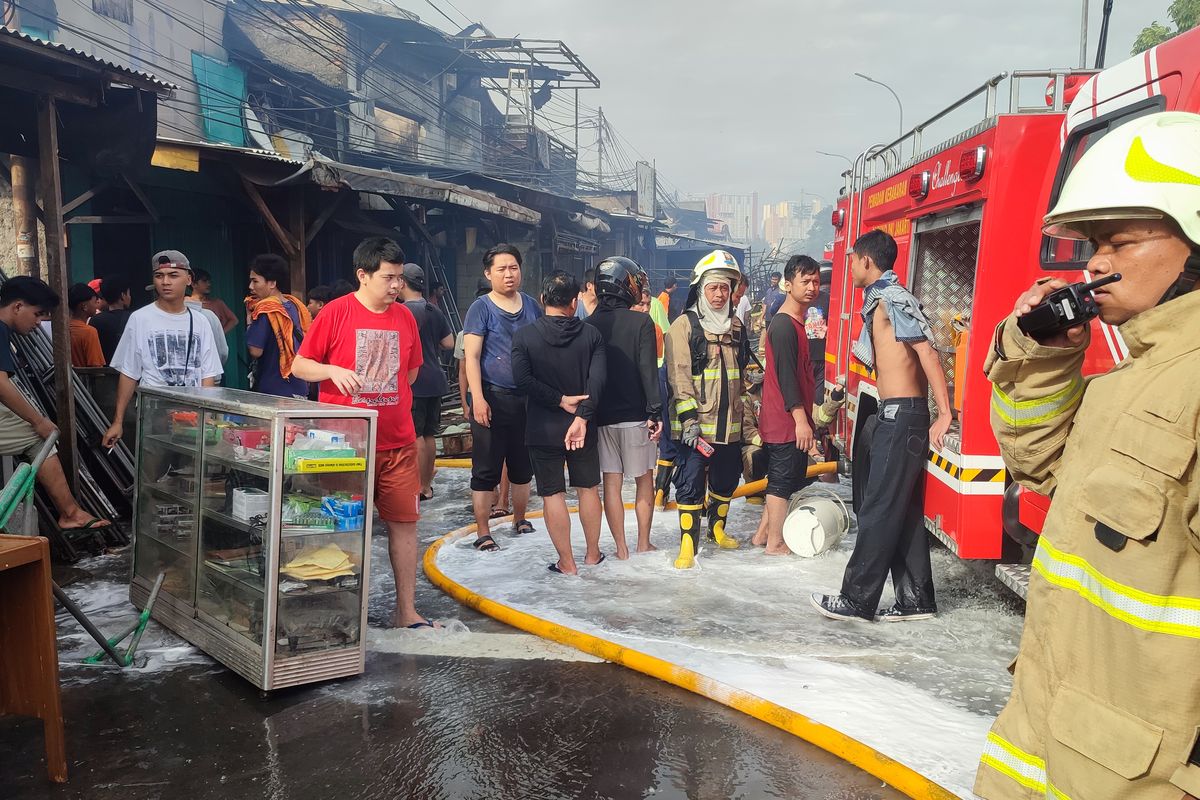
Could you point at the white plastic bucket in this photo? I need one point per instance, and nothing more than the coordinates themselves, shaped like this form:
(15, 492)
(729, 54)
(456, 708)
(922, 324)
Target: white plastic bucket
(816, 521)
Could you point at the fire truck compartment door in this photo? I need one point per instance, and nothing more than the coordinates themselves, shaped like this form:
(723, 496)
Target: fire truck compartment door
(942, 276)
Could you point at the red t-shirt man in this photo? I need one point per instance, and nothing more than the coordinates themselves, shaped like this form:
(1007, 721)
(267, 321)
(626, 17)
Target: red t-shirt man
(381, 348)
(787, 386)
(788, 383)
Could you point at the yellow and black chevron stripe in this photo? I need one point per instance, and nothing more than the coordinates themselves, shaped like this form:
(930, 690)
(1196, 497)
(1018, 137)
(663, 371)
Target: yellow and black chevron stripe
(967, 475)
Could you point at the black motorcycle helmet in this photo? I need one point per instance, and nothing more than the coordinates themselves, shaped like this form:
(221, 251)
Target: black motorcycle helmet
(621, 278)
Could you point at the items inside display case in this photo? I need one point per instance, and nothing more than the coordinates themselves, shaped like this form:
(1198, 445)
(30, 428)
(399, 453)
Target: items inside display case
(259, 520)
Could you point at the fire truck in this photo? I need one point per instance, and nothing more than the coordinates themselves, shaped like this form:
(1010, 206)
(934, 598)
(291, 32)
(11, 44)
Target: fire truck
(966, 216)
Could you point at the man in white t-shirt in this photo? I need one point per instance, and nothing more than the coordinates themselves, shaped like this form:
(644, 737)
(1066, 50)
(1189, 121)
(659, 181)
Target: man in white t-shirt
(165, 343)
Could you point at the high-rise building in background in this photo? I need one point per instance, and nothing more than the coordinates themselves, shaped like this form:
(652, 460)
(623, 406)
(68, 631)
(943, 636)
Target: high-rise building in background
(785, 224)
(739, 212)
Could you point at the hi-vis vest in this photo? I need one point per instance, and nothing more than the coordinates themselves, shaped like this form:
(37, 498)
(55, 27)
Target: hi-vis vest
(1106, 691)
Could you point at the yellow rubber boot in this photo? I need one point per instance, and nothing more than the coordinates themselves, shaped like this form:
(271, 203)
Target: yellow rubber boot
(689, 529)
(718, 513)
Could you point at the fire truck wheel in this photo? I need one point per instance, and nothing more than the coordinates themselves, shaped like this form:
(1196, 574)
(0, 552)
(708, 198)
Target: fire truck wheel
(860, 466)
(1019, 541)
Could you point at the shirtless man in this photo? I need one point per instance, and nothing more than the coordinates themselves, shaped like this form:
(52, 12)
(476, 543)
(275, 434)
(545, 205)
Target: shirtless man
(896, 343)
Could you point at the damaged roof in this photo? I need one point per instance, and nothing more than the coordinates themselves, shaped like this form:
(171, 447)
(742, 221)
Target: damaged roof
(117, 73)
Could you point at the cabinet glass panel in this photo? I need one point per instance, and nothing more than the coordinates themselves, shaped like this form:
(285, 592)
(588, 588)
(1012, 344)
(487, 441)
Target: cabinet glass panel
(323, 528)
(166, 513)
(235, 521)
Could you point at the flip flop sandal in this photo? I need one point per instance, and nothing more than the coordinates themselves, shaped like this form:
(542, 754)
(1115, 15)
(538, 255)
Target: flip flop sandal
(96, 524)
(497, 513)
(419, 625)
(598, 563)
(522, 527)
(424, 497)
(554, 568)
(485, 544)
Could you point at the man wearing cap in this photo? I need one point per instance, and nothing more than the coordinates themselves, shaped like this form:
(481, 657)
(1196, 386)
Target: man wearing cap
(165, 343)
(431, 383)
(85, 342)
(1106, 692)
(110, 323)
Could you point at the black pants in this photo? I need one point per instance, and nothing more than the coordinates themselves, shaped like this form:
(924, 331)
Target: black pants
(501, 445)
(891, 524)
(693, 472)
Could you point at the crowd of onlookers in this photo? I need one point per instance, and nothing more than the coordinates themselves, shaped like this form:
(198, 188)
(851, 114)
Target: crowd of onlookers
(595, 380)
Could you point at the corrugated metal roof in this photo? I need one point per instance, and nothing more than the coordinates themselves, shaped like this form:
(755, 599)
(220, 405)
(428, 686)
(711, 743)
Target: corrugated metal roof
(269, 155)
(119, 69)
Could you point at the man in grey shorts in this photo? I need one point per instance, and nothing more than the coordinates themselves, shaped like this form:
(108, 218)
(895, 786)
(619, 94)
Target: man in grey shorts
(630, 416)
(24, 302)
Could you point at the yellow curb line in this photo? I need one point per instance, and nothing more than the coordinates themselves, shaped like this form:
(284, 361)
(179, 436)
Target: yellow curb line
(888, 770)
(453, 463)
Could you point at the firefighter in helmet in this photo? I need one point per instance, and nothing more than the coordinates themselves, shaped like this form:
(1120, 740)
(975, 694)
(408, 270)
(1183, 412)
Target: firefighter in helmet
(705, 353)
(1106, 691)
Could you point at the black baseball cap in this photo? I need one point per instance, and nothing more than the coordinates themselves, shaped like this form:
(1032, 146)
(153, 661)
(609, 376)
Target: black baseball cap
(414, 276)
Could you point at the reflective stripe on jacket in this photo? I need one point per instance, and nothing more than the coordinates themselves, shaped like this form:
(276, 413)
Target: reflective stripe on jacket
(714, 397)
(1106, 690)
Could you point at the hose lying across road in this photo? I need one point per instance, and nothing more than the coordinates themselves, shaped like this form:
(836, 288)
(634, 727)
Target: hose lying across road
(892, 772)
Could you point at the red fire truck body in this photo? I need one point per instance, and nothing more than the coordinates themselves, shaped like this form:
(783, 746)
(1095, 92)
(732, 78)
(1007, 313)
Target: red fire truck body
(966, 217)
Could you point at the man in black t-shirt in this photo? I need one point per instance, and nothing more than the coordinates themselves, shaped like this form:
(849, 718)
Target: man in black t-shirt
(431, 384)
(24, 302)
(110, 324)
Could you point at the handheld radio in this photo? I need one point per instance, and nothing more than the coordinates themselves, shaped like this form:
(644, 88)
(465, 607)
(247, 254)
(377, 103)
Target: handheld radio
(1063, 309)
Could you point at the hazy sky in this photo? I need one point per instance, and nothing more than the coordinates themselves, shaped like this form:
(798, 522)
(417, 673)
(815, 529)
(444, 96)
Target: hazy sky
(736, 96)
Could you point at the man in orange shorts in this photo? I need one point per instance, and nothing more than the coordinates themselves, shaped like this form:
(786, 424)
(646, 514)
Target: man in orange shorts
(365, 350)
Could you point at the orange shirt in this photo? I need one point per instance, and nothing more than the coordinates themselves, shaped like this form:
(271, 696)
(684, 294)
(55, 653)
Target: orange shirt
(664, 297)
(85, 345)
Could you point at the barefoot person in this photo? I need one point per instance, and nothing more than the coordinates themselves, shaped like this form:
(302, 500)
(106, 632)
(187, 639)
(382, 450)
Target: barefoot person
(630, 417)
(24, 302)
(558, 364)
(785, 418)
(365, 350)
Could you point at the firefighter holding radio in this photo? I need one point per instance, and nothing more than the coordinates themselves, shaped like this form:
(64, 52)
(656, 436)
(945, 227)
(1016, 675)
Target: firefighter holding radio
(1106, 692)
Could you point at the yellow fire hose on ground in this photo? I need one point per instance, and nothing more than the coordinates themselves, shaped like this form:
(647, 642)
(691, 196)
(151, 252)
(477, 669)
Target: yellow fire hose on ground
(851, 750)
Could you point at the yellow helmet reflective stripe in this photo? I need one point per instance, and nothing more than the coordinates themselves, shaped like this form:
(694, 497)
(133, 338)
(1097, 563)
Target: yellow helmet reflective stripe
(1148, 168)
(717, 260)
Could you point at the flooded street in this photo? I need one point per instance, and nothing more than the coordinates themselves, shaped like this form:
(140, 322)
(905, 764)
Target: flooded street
(477, 710)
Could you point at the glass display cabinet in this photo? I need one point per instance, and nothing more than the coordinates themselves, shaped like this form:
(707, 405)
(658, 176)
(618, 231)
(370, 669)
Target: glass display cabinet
(257, 510)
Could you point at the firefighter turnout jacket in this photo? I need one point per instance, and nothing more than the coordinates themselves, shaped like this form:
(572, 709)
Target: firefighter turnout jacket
(1106, 686)
(709, 386)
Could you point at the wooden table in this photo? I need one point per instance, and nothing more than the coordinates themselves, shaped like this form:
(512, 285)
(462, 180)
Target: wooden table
(28, 646)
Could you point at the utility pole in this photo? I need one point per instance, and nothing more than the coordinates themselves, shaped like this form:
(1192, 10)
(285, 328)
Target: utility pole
(600, 147)
(25, 210)
(24, 173)
(1083, 25)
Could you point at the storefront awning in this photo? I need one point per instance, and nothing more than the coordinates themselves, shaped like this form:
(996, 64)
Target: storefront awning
(267, 169)
(331, 175)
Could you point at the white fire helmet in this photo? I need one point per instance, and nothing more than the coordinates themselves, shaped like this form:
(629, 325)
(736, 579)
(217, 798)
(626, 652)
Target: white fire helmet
(1148, 168)
(721, 260)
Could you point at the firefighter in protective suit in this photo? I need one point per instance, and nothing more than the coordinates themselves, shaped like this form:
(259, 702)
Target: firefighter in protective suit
(1106, 686)
(705, 354)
